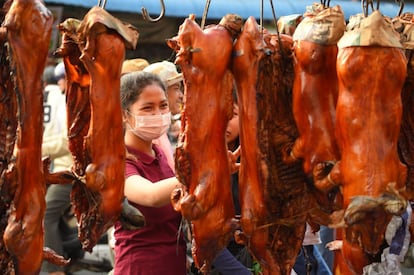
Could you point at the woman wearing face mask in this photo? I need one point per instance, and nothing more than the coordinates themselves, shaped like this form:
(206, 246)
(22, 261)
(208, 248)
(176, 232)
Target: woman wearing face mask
(158, 247)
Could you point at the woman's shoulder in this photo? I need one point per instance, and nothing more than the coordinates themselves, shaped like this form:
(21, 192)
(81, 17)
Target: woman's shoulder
(134, 155)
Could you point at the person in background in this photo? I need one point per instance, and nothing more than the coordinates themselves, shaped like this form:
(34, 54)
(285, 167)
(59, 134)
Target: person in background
(128, 66)
(167, 71)
(60, 76)
(327, 235)
(55, 146)
(48, 78)
(133, 65)
(149, 181)
(310, 261)
(233, 144)
(235, 259)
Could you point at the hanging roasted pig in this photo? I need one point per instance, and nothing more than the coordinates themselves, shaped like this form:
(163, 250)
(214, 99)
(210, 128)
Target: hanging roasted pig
(78, 109)
(274, 198)
(93, 51)
(368, 120)
(28, 25)
(315, 91)
(8, 126)
(404, 24)
(201, 156)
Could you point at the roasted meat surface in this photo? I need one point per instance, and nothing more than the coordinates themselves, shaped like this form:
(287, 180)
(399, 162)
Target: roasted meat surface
(93, 51)
(103, 56)
(368, 122)
(274, 197)
(315, 88)
(78, 109)
(28, 25)
(8, 126)
(406, 138)
(201, 156)
(315, 92)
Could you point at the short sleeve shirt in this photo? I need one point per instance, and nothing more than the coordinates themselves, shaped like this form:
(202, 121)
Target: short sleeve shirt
(158, 247)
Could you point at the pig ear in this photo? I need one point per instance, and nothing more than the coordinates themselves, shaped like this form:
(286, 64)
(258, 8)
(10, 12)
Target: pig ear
(172, 43)
(251, 24)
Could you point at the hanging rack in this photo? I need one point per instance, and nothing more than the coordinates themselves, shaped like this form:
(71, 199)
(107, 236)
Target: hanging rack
(148, 18)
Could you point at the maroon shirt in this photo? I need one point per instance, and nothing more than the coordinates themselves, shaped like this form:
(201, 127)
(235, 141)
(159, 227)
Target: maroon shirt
(156, 248)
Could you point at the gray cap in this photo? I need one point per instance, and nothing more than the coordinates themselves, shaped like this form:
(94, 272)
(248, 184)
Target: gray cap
(60, 71)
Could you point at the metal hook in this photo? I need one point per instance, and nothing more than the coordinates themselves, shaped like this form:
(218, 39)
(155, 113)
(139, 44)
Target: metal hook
(401, 2)
(325, 3)
(102, 3)
(365, 5)
(147, 17)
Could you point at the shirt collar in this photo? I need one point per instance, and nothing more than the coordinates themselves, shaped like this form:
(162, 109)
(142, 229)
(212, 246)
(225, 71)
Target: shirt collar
(145, 158)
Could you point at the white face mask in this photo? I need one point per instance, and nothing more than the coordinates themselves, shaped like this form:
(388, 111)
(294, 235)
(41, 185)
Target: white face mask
(152, 126)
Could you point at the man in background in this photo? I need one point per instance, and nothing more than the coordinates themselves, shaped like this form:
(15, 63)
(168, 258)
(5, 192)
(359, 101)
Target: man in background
(55, 146)
(168, 73)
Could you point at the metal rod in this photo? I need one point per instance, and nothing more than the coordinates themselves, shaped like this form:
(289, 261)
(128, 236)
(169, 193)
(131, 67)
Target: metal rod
(102, 3)
(261, 14)
(279, 40)
(205, 12)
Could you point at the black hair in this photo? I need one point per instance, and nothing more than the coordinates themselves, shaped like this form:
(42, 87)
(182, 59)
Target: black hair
(132, 85)
(234, 93)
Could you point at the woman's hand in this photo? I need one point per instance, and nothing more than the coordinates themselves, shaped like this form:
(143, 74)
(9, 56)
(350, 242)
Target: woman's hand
(233, 156)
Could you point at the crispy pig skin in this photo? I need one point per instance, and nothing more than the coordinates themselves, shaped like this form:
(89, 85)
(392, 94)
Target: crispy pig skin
(29, 26)
(201, 157)
(93, 50)
(8, 126)
(98, 200)
(368, 119)
(273, 195)
(315, 92)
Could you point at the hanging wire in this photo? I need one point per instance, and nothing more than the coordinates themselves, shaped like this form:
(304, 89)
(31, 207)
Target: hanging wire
(102, 3)
(261, 15)
(204, 18)
(148, 18)
(277, 29)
